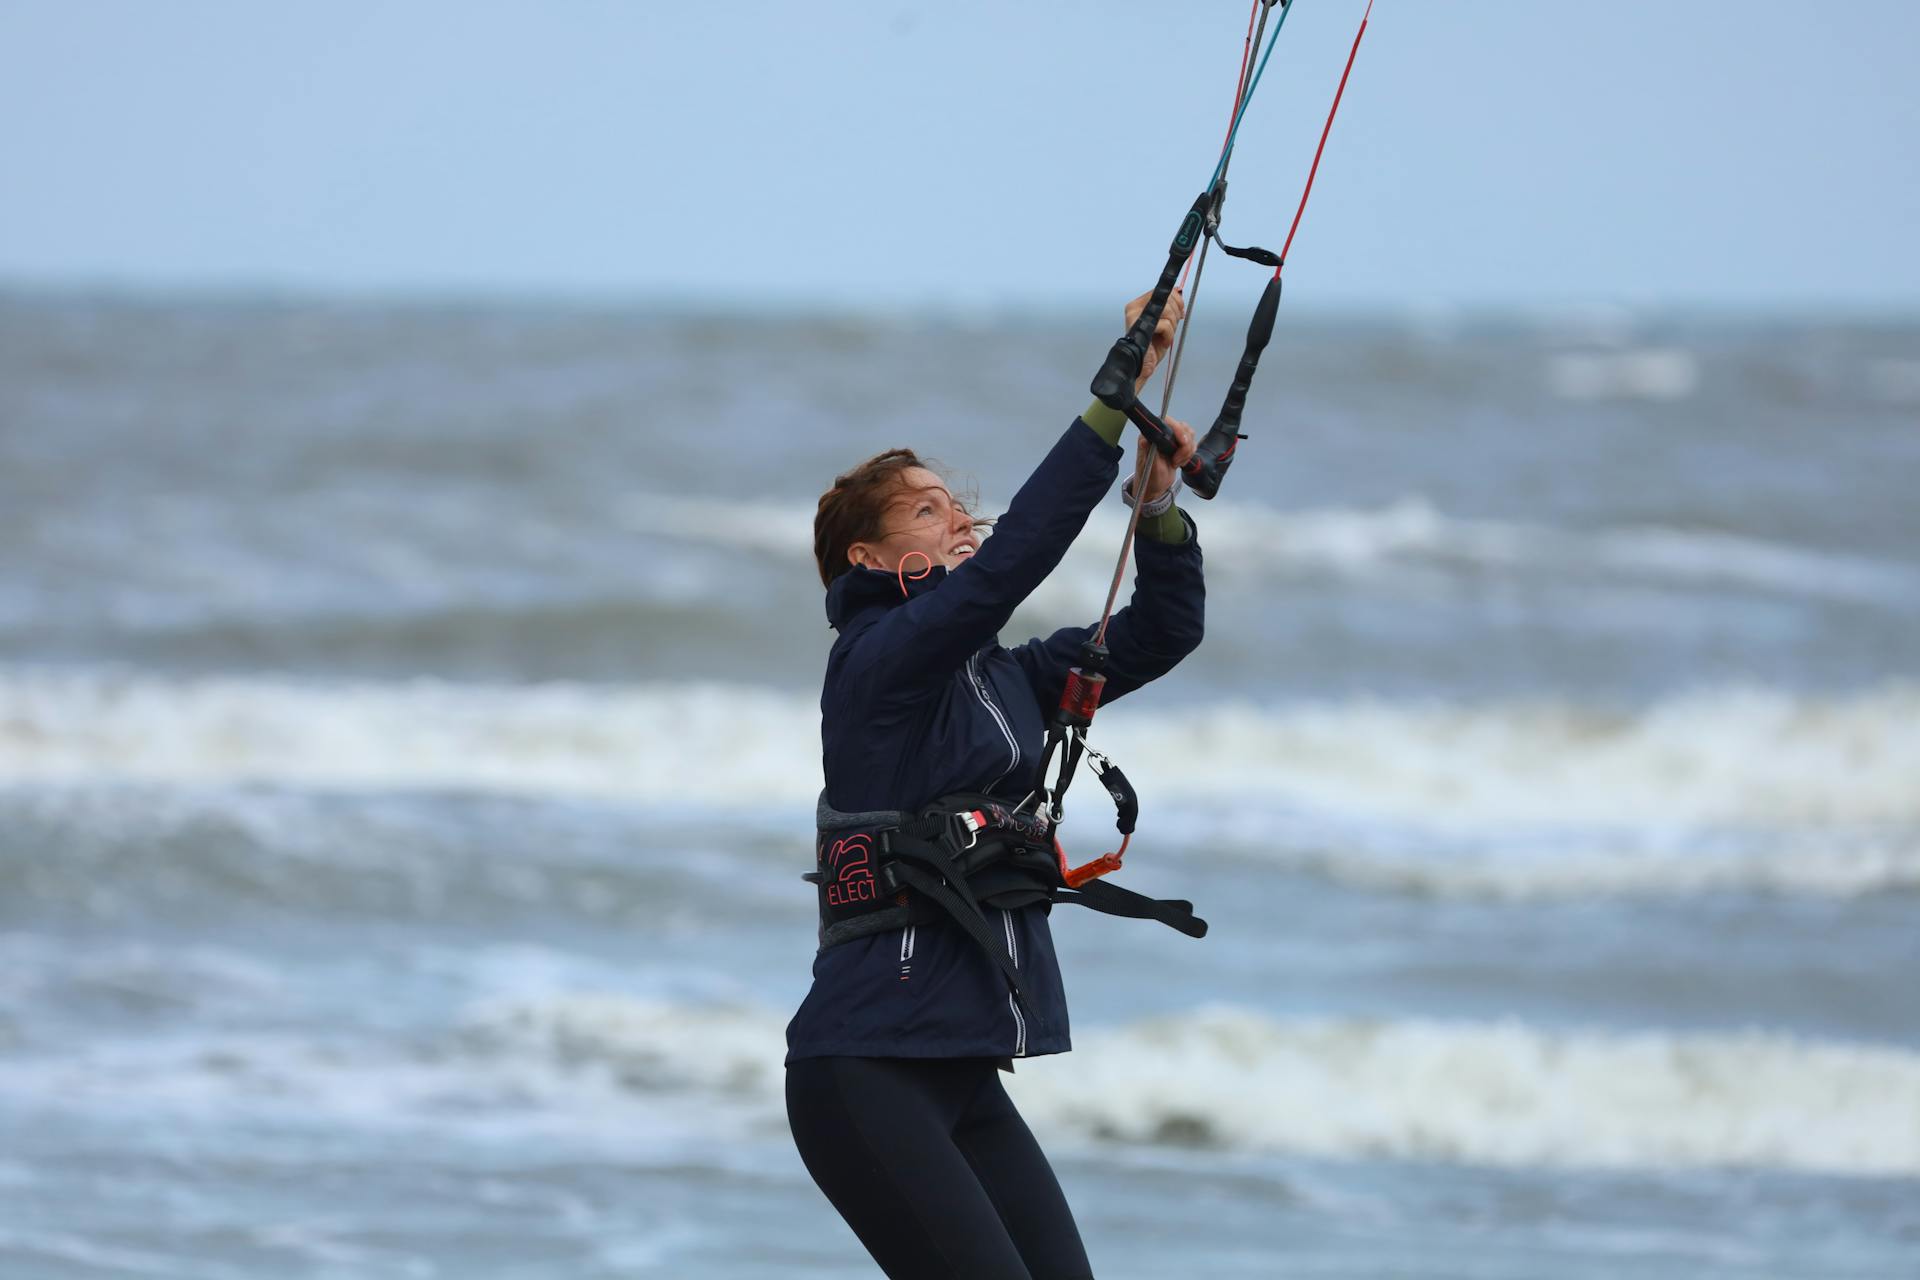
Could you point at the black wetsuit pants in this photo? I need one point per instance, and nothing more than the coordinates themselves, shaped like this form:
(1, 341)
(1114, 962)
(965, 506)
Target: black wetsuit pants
(933, 1168)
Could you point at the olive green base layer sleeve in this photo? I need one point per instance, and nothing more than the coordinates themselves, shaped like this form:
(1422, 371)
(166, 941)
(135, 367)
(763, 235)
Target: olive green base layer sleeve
(1108, 424)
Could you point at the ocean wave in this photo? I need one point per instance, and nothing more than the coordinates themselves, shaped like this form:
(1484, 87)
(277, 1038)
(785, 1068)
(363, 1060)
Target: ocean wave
(1728, 755)
(133, 851)
(1696, 759)
(1359, 542)
(116, 853)
(1550, 865)
(650, 743)
(1502, 1093)
(575, 1060)
(682, 562)
(1717, 789)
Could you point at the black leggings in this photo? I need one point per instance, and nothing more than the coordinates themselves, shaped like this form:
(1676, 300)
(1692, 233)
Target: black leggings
(932, 1167)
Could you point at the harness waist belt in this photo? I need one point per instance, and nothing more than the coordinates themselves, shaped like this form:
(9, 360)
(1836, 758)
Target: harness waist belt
(884, 869)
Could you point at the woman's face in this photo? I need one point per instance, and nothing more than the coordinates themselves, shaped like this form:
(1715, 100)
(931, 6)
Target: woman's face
(921, 520)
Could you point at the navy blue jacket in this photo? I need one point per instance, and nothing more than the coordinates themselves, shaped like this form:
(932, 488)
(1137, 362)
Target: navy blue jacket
(922, 701)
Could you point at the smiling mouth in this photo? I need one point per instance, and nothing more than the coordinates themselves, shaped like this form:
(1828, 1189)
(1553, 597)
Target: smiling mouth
(963, 550)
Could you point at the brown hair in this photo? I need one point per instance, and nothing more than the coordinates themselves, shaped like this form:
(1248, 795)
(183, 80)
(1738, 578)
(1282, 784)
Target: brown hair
(853, 509)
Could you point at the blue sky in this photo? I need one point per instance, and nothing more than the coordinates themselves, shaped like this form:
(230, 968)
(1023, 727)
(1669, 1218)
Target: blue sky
(1489, 152)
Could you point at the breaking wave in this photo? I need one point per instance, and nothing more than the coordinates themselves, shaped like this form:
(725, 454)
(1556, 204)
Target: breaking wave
(1716, 756)
(1502, 1093)
(1717, 789)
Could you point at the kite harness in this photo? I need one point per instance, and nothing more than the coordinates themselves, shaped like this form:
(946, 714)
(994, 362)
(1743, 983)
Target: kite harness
(959, 856)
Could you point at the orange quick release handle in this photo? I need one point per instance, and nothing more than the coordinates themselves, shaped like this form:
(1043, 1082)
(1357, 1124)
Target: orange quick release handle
(1074, 877)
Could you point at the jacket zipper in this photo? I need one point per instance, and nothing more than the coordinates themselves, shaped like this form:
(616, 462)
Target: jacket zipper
(1019, 1020)
(1006, 918)
(1013, 744)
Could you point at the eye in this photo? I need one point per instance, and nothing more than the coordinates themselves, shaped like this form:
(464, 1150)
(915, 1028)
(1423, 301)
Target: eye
(927, 509)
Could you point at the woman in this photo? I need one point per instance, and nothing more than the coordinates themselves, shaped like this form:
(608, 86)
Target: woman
(892, 1085)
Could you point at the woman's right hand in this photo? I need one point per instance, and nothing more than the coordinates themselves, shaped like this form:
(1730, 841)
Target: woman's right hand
(1162, 333)
(1161, 475)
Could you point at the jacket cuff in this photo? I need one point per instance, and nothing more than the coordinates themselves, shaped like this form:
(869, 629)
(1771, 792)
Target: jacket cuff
(1173, 530)
(1170, 526)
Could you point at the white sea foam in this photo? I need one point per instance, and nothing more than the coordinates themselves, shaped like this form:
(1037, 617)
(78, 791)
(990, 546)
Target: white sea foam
(1548, 864)
(1500, 1093)
(582, 1063)
(1723, 756)
(1719, 756)
(1477, 1092)
(1648, 373)
(1413, 531)
(1716, 789)
(650, 743)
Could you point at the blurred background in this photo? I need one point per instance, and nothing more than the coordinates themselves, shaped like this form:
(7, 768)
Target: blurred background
(410, 424)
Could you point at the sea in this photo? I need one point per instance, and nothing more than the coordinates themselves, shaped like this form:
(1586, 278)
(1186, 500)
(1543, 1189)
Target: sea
(409, 744)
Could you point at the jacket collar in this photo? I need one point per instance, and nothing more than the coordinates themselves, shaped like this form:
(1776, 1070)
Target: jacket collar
(860, 588)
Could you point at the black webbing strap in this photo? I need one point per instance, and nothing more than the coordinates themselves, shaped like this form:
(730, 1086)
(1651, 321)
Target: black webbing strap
(967, 914)
(1111, 899)
(942, 883)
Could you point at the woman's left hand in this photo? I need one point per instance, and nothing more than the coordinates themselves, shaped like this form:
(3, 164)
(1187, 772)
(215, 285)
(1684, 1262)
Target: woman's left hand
(1162, 339)
(1160, 479)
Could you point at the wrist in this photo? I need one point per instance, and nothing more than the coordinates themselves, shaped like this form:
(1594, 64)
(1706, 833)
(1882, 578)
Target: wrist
(1157, 505)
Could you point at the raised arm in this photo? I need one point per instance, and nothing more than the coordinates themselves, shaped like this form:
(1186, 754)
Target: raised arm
(1164, 622)
(914, 646)
(918, 643)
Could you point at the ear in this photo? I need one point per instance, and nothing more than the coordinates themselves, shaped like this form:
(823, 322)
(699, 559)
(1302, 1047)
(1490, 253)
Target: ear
(862, 555)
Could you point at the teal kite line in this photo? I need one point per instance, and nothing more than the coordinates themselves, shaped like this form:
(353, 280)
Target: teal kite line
(1253, 84)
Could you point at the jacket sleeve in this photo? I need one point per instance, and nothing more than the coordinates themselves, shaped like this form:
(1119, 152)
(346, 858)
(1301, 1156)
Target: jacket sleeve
(919, 644)
(1163, 623)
